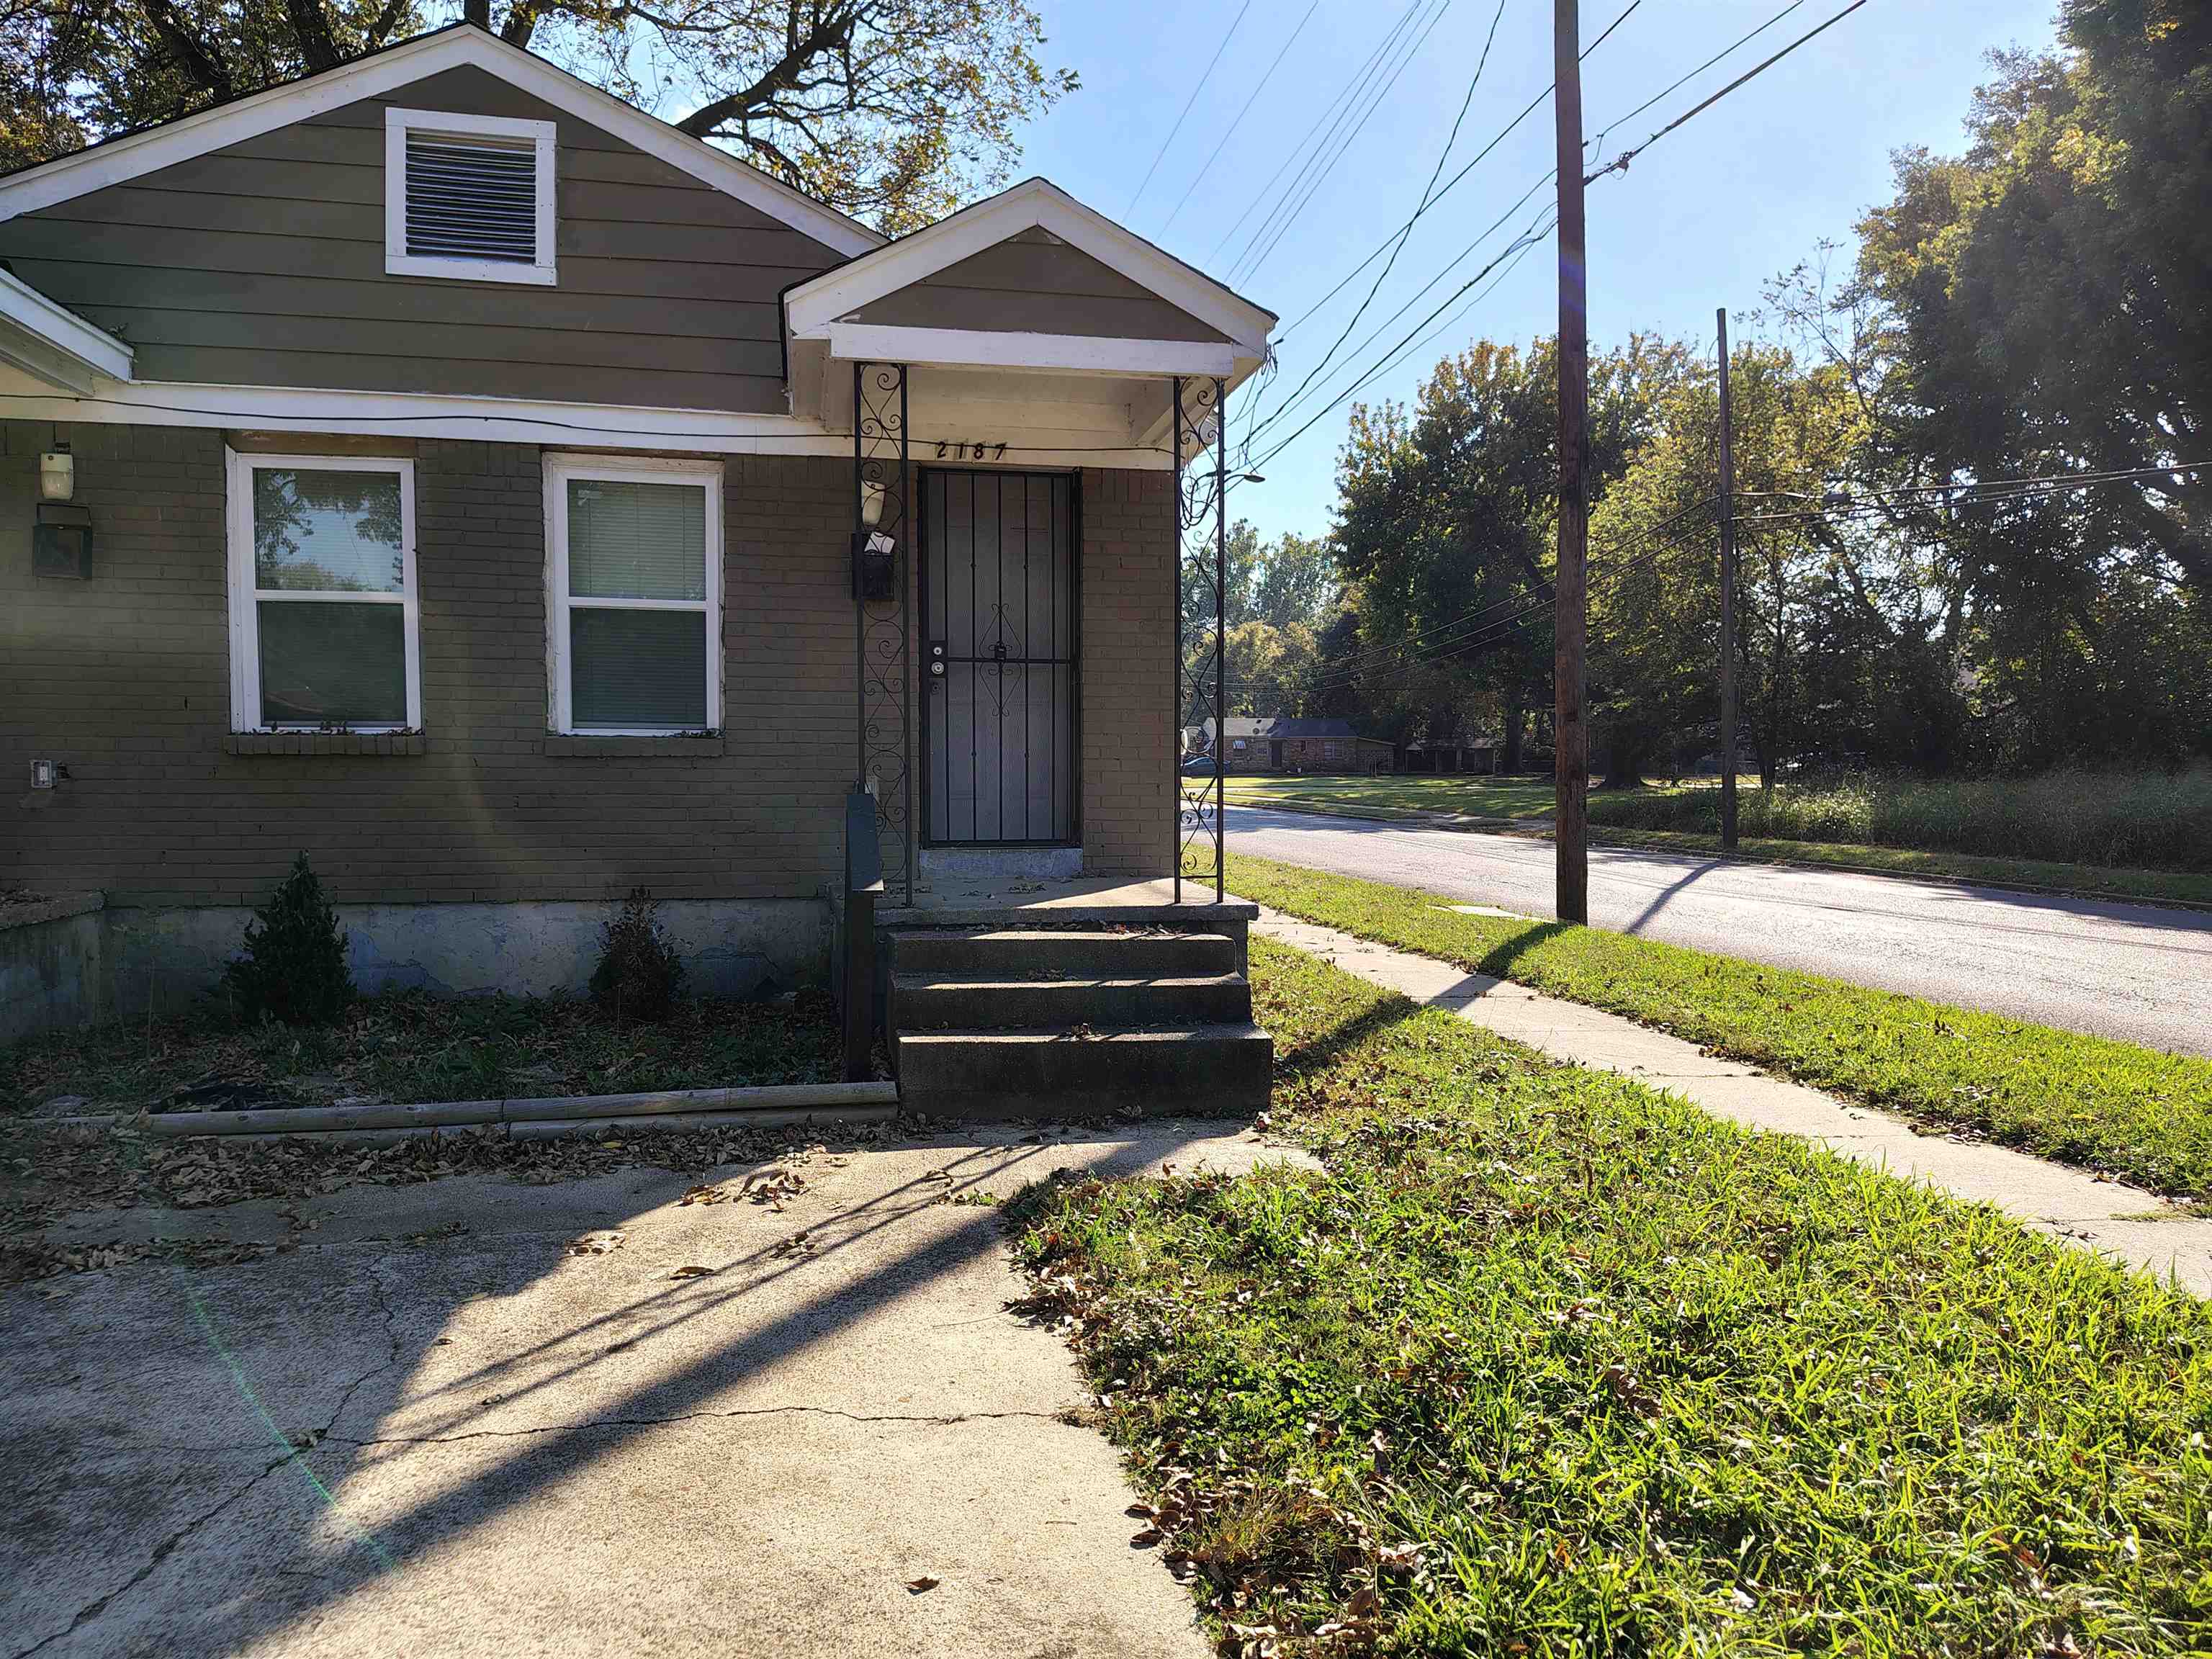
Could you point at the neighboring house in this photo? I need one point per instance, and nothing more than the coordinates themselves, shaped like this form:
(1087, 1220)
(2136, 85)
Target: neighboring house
(472, 468)
(1278, 744)
(1478, 755)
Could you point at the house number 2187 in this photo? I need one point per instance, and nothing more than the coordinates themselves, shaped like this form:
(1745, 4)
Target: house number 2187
(975, 452)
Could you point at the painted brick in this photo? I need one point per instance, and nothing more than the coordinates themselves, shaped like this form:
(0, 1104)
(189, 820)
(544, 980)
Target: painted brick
(125, 680)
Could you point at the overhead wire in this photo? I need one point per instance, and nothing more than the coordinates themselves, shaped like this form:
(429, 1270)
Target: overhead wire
(1358, 112)
(1320, 121)
(1428, 192)
(1188, 104)
(1250, 98)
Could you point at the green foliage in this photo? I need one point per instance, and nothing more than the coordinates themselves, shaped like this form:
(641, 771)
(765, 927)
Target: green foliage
(1546, 1361)
(2144, 821)
(294, 970)
(638, 973)
(897, 111)
(2083, 1100)
(1448, 513)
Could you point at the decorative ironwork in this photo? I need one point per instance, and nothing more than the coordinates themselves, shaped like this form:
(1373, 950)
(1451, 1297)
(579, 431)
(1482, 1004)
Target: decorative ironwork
(880, 475)
(1202, 627)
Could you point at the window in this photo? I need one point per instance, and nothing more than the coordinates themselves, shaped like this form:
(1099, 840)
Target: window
(468, 196)
(324, 620)
(634, 594)
(1328, 750)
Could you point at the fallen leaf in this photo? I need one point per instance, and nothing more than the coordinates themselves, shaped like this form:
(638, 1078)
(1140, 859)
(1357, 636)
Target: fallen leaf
(597, 1243)
(919, 1586)
(1146, 1539)
(693, 1273)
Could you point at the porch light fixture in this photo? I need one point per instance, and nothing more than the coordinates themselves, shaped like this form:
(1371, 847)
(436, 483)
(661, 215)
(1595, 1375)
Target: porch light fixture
(872, 501)
(57, 476)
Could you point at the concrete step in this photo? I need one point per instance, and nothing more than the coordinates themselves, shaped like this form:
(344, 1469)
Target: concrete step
(1001, 954)
(1200, 1070)
(932, 1002)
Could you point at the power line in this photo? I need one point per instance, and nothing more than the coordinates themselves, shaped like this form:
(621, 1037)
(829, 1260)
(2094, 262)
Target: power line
(1620, 163)
(1507, 132)
(1322, 162)
(1188, 104)
(1320, 121)
(1428, 193)
(1250, 99)
(1740, 41)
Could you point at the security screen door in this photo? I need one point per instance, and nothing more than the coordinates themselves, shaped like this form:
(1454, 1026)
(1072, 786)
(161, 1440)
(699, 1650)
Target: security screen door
(998, 657)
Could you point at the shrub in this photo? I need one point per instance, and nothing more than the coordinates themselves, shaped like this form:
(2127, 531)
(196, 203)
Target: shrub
(294, 966)
(638, 973)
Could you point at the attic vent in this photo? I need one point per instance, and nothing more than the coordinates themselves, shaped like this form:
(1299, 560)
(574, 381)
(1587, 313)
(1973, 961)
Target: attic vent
(468, 196)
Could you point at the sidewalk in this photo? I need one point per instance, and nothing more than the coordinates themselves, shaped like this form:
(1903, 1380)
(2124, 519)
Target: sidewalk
(2130, 1225)
(783, 1410)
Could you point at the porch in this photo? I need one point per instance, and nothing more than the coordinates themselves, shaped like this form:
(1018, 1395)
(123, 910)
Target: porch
(1035, 922)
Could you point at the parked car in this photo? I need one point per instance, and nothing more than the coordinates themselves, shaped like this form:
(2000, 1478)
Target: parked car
(1198, 766)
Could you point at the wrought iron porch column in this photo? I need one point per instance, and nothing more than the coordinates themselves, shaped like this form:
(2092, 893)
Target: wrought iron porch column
(1201, 678)
(883, 691)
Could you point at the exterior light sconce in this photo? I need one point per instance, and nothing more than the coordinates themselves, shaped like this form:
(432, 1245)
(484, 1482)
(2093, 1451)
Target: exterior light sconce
(61, 537)
(872, 501)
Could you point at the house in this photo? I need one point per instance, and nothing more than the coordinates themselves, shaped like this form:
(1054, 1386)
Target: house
(1279, 743)
(440, 466)
(1477, 754)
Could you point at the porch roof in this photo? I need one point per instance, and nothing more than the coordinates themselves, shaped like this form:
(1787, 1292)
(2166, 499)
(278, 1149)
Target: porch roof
(1027, 314)
(52, 343)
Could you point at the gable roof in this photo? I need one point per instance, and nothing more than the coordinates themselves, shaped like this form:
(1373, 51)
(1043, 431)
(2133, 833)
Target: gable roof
(53, 343)
(810, 306)
(132, 154)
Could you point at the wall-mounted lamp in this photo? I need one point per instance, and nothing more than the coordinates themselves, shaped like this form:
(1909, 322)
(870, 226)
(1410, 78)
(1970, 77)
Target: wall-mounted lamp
(872, 501)
(57, 476)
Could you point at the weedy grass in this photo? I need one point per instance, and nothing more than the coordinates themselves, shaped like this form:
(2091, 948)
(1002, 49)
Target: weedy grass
(406, 1046)
(2084, 1100)
(2146, 820)
(1547, 1363)
(1391, 795)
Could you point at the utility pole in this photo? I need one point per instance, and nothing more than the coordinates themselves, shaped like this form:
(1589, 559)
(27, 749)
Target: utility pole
(1569, 586)
(1728, 601)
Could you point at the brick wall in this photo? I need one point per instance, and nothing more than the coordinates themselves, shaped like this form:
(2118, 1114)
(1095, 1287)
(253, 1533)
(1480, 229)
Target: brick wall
(124, 679)
(1129, 664)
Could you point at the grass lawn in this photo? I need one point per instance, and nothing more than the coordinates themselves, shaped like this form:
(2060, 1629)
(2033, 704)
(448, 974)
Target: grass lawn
(1686, 819)
(1395, 797)
(1547, 1363)
(2087, 1100)
(407, 1048)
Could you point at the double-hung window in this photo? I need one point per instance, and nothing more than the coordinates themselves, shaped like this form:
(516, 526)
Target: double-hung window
(325, 624)
(634, 595)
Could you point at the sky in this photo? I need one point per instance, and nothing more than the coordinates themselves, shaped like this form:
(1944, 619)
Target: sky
(1746, 191)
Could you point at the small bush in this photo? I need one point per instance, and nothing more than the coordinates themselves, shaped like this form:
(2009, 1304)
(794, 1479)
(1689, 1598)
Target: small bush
(638, 973)
(294, 966)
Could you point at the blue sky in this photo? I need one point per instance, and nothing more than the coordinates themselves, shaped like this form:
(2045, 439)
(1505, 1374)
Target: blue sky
(1747, 190)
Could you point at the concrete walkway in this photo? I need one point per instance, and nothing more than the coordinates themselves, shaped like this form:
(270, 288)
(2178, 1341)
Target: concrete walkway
(2126, 1222)
(474, 1417)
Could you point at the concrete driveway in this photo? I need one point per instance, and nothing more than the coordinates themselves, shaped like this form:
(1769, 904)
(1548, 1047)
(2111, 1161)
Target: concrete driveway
(477, 1416)
(2137, 972)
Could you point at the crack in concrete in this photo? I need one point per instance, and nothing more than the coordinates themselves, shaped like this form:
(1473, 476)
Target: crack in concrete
(1065, 1418)
(162, 1551)
(391, 1360)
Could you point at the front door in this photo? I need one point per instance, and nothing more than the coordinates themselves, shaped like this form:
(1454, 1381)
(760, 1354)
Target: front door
(998, 628)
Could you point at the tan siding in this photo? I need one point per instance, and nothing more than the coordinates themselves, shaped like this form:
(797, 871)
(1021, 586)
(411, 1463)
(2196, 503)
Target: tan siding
(124, 679)
(263, 263)
(1025, 285)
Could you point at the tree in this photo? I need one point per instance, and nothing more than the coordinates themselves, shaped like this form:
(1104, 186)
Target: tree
(1445, 529)
(2049, 284)
(896, 111)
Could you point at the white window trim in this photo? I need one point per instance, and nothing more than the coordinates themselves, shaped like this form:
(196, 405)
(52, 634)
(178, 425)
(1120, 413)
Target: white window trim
(246, 596)
(397, 262)
(559, 660)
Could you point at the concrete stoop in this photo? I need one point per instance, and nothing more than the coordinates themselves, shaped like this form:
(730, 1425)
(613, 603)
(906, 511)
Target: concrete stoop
(1083, 1016)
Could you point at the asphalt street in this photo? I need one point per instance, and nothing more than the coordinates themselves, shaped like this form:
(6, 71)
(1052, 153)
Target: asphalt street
(2132, 971)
